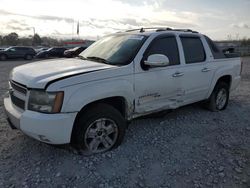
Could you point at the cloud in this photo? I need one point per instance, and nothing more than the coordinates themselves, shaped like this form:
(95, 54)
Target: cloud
(15, 25)
(241, 26)
(53, 18)
(40, 17)
(142, 3)
(16, 28)
(129, 23)
(98, 18)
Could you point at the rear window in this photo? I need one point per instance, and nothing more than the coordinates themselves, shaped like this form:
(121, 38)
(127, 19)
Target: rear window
(25, 49)
(217, 53)
(22, 48)
(193, 50)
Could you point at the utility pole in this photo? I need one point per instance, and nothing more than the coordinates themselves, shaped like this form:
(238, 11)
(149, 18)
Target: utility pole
(78, 27)
(73, 29)
(34, 31)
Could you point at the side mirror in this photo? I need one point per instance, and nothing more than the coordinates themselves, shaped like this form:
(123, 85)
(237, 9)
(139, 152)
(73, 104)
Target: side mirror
(157, 60)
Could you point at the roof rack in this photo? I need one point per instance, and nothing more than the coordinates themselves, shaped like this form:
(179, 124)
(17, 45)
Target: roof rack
(149, 28)
(159, 29)
(186, 30)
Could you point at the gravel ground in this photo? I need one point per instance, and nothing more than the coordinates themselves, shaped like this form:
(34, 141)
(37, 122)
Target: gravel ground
(189, 147)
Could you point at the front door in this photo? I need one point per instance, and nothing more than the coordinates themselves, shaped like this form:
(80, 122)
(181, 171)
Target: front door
(158, 88)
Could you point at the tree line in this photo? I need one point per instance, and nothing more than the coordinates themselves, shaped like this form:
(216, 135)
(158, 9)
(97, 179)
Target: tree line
(13, 39)
(245, 42)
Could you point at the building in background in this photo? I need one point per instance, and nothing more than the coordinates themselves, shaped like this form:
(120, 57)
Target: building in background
(238, 46)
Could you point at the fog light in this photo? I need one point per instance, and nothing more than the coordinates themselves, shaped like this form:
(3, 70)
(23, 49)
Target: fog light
(6, 95)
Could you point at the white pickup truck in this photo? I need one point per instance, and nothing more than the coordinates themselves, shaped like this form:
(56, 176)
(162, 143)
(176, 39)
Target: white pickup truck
(88, 100)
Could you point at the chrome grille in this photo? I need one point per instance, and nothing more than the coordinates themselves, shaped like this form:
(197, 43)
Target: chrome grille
(18, 87)
(18, 94)
(16, 101)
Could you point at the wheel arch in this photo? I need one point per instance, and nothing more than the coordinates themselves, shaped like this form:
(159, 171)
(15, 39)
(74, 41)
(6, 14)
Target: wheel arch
(118, 102)
(225, 78)
(4, 55)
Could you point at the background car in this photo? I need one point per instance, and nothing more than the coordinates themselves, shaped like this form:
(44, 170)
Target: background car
(74, 52)
(40, 49)
(17, 52)
(52, 52)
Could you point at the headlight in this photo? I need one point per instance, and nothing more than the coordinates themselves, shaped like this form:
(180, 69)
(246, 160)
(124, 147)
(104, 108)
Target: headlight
(11, 74)
(46, 102)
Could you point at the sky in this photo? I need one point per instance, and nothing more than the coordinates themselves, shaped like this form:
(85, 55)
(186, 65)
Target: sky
(219, 19)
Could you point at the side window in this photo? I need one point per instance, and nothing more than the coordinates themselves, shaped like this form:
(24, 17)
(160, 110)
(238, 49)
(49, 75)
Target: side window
(19, 49)
(12, 49)
(193, 50)
(166, 46)
(23, 49)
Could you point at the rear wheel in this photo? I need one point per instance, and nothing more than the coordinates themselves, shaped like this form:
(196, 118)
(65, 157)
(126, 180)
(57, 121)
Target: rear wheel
(99, 129)
(28, 57)
(219, 98)
(3, 57)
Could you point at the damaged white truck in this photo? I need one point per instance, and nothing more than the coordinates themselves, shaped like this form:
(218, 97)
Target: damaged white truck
(88, 100)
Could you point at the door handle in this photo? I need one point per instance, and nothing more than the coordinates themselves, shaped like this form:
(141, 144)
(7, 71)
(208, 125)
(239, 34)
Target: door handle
(178, 74)
(205, 70)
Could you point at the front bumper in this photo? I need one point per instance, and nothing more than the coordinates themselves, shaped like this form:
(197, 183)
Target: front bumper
(48, 128)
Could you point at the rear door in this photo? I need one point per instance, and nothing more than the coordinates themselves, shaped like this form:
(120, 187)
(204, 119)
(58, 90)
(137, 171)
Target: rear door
(22, 51)
(197, 71)
(59, 52)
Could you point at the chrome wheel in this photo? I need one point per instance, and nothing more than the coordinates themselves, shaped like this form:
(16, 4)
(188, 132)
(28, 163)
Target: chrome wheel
(28, 57)
(101, 135)
(221, 99)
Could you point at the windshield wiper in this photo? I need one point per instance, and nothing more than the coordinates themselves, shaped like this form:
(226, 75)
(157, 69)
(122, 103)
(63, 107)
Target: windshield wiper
(98, 59)
(81, 57)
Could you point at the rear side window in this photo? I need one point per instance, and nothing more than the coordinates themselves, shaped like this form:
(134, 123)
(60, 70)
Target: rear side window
(60, 49)
(23, 49)
(166, 46)
(217, 53)
(193, 50)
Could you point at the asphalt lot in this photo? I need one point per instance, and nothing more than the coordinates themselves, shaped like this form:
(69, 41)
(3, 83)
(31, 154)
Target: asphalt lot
(189, 147)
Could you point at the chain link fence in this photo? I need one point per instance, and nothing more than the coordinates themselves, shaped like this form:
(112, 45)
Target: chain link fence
(243, 50)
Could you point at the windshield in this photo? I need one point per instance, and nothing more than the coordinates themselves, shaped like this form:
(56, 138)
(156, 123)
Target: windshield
(6, 49)
(114, 49)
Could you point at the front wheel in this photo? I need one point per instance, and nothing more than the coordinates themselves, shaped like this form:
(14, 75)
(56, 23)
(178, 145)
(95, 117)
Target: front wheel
(99, 129)
(28, 57)
(219, 98)
(3, 57)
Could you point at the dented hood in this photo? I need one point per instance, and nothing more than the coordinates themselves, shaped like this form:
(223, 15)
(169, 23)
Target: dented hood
(38, 74)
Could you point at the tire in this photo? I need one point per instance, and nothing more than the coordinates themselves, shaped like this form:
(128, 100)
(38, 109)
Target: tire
(98, 129)
(28, 57)
(218, 100)
(3, 57)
